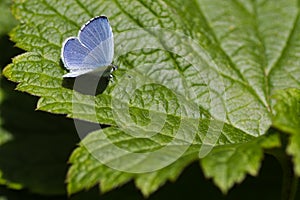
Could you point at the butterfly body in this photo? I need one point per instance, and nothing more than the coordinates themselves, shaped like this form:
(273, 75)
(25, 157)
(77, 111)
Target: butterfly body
(91, 51)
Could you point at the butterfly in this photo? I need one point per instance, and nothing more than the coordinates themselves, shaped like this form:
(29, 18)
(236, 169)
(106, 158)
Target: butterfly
(91, 50)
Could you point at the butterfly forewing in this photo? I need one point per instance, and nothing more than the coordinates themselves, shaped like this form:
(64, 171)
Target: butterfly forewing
(94, 32)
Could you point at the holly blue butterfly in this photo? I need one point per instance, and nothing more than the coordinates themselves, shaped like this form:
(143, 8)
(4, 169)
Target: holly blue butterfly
(92, 49)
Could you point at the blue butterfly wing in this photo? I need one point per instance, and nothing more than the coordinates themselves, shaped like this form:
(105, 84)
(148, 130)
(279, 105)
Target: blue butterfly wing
(74, 55)
(95, 31)
(93, 48)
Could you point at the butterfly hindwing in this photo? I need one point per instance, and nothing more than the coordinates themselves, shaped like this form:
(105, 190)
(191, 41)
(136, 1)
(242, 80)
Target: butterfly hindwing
(74, 55)
(93, 48)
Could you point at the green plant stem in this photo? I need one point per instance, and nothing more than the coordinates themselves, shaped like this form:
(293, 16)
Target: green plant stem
(289, 179)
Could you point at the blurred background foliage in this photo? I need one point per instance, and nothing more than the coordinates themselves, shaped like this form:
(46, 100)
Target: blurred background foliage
(35, 146)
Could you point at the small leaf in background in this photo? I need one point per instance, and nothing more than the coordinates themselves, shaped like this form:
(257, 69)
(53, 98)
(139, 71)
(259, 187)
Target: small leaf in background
(7, 21)
(5, 137)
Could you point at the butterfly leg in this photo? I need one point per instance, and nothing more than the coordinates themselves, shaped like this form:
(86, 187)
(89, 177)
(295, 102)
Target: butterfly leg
(111, 76)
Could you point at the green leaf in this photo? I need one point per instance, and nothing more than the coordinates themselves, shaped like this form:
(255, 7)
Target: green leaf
(7, 22)
(192, 75)
(243, 158)
(287, 111)
(287, 120)
(87, 169)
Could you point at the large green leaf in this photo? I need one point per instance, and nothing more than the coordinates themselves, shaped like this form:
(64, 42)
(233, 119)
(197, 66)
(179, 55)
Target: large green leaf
(193, 75)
